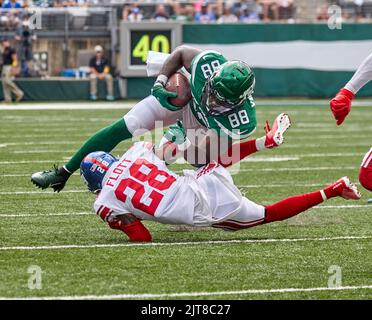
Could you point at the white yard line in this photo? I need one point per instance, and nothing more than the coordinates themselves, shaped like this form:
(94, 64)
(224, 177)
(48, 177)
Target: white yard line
(41, 192)
(41, 151)
(70, 106)
(34, 143)
(28, 161)
(352, 206)
(23, 215)
(16, 175)
(281, 185)
(303, 146)
(191, 294)
(290, 169)
(171, 244)
(87, 213)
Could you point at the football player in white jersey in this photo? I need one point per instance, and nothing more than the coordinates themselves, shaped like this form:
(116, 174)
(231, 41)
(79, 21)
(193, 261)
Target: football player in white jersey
(341, 106)
(139, 186)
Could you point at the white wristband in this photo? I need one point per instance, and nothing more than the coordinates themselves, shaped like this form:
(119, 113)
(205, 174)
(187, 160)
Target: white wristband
(163, 79)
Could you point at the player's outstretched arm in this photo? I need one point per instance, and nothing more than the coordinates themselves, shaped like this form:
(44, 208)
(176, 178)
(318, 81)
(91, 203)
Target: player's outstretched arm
(341, 103)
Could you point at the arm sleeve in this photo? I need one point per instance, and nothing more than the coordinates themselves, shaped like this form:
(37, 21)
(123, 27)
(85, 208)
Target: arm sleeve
(362, 76)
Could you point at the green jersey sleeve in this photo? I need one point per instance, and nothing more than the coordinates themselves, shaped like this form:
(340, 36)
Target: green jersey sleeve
(237, 125)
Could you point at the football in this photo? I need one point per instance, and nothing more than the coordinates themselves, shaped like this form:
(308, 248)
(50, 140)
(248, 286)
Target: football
(180, 84)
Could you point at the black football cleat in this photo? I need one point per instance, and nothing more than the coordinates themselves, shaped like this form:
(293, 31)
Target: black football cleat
(50, 179)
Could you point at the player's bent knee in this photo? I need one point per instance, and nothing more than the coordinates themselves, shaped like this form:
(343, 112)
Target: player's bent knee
(365, 178)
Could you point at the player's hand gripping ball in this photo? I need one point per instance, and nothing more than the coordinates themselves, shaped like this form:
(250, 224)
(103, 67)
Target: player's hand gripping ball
(179, 84)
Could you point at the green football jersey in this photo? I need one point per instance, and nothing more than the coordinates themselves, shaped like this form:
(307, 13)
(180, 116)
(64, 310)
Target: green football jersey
(237, 125)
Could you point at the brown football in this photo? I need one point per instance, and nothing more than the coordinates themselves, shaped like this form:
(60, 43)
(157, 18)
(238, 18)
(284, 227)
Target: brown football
(180, 84)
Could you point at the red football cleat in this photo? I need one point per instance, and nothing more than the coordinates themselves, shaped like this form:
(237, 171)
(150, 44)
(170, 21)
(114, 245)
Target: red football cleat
(275, 135)
(345, 189)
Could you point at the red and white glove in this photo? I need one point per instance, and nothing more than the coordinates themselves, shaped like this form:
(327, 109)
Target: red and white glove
(341, 105)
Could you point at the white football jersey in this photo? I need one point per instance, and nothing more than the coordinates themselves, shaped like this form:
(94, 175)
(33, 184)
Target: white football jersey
(140, 183)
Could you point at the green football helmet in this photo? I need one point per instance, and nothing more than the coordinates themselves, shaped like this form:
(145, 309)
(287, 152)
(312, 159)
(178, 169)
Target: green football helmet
(227, 88)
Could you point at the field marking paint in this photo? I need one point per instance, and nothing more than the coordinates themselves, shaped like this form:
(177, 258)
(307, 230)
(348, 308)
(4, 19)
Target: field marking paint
(72, 106)
(280, 185)
(191, 294)
(180, 171)
(28, 161)
(128, 105)
(171, 244)
(23, 215)
(40, 151)
(352, 206)
(87, 213)
(245, 186)
(11, 144)
(296, 169)
(16, 175)
(40, 192)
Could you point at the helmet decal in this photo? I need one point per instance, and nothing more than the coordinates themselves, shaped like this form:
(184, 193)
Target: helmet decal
(94, 167)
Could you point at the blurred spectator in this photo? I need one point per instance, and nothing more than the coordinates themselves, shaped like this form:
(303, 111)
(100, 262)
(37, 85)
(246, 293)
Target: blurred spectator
(135, 15)
(11, 16)
(270, 9)
(132, 14)
(25, 36)
(11, 4)
(322, 13)
(64, 3)
(182, 12)
(10, 66)
(160, 14)
(250, 12)
(205, 15)
(227, 16)
(100, 69)
(43, 3)
(285, 9)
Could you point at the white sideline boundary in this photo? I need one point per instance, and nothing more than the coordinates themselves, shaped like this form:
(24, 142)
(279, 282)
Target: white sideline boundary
(191, 294)
(126, 105)
(172, 244)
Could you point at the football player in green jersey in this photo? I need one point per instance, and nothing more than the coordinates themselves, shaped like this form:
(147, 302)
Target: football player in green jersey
(222, 108)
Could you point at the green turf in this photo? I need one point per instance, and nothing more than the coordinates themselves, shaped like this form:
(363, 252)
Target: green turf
(318, 153)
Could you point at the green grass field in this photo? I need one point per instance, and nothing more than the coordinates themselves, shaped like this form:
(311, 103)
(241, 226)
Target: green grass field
(79, 256)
